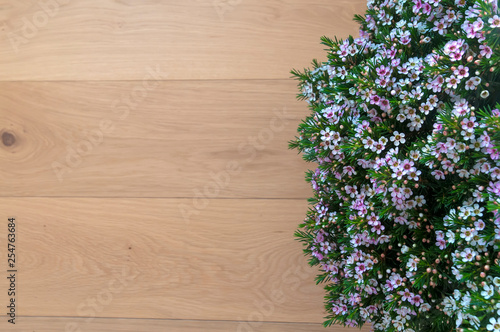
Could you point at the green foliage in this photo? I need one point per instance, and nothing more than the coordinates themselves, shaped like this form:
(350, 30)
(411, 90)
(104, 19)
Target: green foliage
(404, 127)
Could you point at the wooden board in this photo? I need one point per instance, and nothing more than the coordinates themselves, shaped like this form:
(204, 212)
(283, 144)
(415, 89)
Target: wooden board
(189, 39)
(143, 151)
(75, 324)
(211, 139)
(139, 258)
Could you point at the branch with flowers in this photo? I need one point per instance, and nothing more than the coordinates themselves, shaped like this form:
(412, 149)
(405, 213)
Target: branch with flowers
(405, 131)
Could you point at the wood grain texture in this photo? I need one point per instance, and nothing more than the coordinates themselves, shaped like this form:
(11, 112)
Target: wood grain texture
(139, 258)
(51, 324)
(176, 141)
(143, 151)
(193, 39)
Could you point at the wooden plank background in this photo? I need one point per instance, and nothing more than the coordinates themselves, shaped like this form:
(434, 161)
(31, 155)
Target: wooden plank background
(144, 156)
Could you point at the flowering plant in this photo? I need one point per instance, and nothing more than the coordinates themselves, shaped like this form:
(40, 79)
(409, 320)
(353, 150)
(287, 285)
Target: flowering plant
(404, 127)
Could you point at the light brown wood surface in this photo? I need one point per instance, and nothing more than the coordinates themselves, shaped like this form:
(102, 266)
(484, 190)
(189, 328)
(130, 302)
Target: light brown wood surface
(143, 153)
(39, 324)
(191, 39)
(171, 267)
(175, 141)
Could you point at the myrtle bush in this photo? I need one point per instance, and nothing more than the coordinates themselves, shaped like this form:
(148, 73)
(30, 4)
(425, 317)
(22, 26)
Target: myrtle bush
(404, 127)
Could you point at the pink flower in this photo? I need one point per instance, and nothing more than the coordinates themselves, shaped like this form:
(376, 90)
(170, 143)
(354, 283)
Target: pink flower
(495, 173)
(485, 139)
(406, 295)
(469, 29)
(486, 51)
(467, 255)
(461, 72)
(375, 99)
(469, 85)
(494, 188)
(360, 268)
(349, 170)
(384, 104)
(383, 71)
(378, 228)
(439, 175)
(441, 243)
(440, 26)
(478, 24)
(469, 124)
(452, 82)
(417, 6)
(405, 38)
(494, 22)
(455, 49)
(417, 300)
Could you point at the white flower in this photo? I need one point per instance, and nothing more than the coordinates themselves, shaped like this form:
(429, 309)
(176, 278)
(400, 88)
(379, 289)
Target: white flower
(472, 286)
(326, 135)
(450, 236)
(468, 255)
(465, 300)
(412, 264)
(399, 325)
(467, 233)
(398, 138)
(473, 320)
(425, 307)
(477, 210)
(450, 305)
(460, 317)
(494, 325)
(488, 291)
(456, 273)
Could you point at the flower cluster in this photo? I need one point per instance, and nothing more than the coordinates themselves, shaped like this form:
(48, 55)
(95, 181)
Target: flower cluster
(405, 129)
